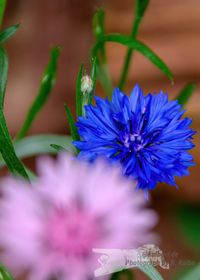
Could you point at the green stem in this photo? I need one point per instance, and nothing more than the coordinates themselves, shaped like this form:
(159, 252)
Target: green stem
(139, 12)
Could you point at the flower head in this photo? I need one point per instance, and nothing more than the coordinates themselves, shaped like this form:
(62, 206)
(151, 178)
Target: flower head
(144, 133)
(51, 227)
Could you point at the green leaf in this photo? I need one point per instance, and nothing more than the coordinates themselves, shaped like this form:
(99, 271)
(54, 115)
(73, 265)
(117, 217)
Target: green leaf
(98, 23)
(186, 93)
(192, 274)
(8, 32)
(141, 6)
(58, 148)
(7, 150)
(103, 74)
(93, 74)
(2, 9)
(6, 145)
(150, 271)
(187, 217)
(73, 128)
(78, 92)
(135, 45)
(46, 86)
(4, 274)
(120, 275)
(40, 144)
(4, 75)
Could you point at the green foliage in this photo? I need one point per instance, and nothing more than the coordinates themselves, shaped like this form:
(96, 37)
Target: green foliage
(192, 274)
(4, 274)
(124, 274)
(3, 75)
(103, 74)
(186, 93)
(6, 145)
(7, 33)
(135, 45)
(2, 9)
(58, 148)
(188, 222)
(48, 81)
(78, 92)
(150, 271)
(98, 23)
(40, 144)
(93, 75)
(73, 128)
(141, 6)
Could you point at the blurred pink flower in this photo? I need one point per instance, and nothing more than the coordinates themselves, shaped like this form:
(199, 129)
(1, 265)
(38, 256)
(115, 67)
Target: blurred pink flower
(50, 228)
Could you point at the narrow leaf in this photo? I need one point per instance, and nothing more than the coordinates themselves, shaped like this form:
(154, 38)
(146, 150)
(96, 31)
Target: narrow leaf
(58, 148)
(73, 128)
(120, 275)
(3, 75)
(46, 86)
(40, 144)
(4, 274)
(8, 152)
(2, 10)
(141, 6)
(79, 93)
(8, 32)
(6, 145)
(186, 93)
(150, 271)
(187, 220)
(93, 74)
(135, 45)
(103, 74)
(98, 23)
(193, 274)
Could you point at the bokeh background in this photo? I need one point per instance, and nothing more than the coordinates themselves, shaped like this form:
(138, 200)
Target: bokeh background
(171, 28)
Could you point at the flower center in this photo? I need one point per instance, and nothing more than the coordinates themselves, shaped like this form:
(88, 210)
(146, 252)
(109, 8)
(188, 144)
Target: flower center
(133, 142)
(71, 232)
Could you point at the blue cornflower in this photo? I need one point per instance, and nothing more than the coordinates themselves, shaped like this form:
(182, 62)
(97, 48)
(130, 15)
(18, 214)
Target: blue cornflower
(144, 133)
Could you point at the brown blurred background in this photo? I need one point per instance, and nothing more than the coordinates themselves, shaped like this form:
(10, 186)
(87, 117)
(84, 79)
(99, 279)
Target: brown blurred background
(171, 28)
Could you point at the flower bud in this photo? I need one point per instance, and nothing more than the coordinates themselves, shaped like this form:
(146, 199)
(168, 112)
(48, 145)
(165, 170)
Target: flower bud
(86, 84)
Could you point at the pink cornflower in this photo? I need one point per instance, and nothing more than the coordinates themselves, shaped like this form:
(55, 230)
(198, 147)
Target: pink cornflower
(49, 229)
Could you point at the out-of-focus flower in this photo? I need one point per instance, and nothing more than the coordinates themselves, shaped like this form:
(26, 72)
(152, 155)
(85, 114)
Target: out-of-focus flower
(51, 227)
(144, 133)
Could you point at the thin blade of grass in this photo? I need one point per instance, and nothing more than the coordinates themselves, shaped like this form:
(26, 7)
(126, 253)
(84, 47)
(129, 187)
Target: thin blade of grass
(48, 81)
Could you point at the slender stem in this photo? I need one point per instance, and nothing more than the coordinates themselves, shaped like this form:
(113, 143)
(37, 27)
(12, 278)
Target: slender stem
(134, 32)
